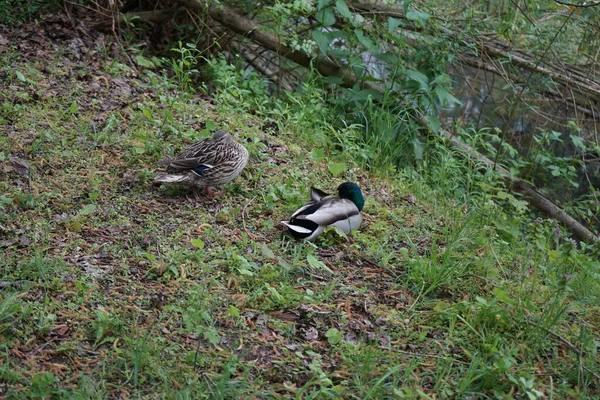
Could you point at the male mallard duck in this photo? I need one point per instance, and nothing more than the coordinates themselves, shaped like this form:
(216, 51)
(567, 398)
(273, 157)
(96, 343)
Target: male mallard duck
(208, 162)
(341, 210)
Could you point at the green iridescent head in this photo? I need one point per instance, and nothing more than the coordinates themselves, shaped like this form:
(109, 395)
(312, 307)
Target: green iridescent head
(351, 191)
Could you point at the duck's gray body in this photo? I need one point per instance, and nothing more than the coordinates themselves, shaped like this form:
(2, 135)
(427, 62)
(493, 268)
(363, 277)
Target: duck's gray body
(341, 210)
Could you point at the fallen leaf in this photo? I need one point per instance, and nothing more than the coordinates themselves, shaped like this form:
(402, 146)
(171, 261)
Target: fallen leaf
(60, 330)
(411, 199)
(19, 165)
(24, 241)
(285, 316)
(311, 333)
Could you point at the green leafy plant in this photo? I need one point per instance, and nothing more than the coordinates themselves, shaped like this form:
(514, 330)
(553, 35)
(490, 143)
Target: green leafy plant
(185, 65)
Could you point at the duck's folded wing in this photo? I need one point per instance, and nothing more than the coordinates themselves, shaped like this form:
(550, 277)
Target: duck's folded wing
(331, 211)
(198, 149)
(317, 194)
(183, 164)
(307, 208)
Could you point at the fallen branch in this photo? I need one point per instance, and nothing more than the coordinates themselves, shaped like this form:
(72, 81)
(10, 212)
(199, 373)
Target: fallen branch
(539, 201)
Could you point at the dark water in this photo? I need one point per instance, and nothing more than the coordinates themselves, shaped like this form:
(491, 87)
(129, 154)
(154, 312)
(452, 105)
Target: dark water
(520, 112)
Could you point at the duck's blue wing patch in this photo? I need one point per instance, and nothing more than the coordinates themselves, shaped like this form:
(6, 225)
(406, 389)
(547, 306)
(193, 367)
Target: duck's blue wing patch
(200, 169)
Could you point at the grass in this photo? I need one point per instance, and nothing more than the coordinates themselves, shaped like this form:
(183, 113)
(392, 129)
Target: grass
(114, 288)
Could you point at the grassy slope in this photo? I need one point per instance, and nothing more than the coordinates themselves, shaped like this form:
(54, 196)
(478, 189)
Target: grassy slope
(112, 287)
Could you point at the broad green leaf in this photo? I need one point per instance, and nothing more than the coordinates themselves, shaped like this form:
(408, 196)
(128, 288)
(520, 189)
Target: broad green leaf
(338, 34)
(519, 205)
(334, 336)
(339, 53)
(336, 168)
(157, 61)
(502, 295)
(343, 9)
(87, 209)
(357, 65)
(405, 5)
(322, 4)
(144, 62)
(147, 113)
(573, 125)
(578, 142)
(246, 272)
(274, 292)
(333, 80)
(233, 311)
(267, 252)
(418, 77)
(73, 107)
(317, 264)
(390, 57)
(441, 306)
(418, 148)
(20, 76)
(417, 16)
(211, 335)
(283, 263)
(365, 94)
(321, 39)
(364, 40)
(75, 225)
(211, 126)
(394, 23)
(317, 155)
(5, 200)
(554, 255)
(326, 16)
(445, 98)
(198, 243)
(433, 123)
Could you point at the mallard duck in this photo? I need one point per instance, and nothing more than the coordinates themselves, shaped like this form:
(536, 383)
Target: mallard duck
(209, 162)
(341, 210)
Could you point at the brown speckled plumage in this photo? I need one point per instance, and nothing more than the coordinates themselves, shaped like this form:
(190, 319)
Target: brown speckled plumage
(209, 162)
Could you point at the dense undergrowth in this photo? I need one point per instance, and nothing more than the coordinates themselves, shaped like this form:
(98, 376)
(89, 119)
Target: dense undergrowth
(114, 288)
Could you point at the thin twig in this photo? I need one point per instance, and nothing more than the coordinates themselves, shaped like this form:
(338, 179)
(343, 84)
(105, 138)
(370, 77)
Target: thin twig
(568, 344)
(252, 235)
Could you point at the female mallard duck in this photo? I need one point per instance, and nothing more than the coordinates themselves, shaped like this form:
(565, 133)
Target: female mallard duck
(341, 210)
(208, 162)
